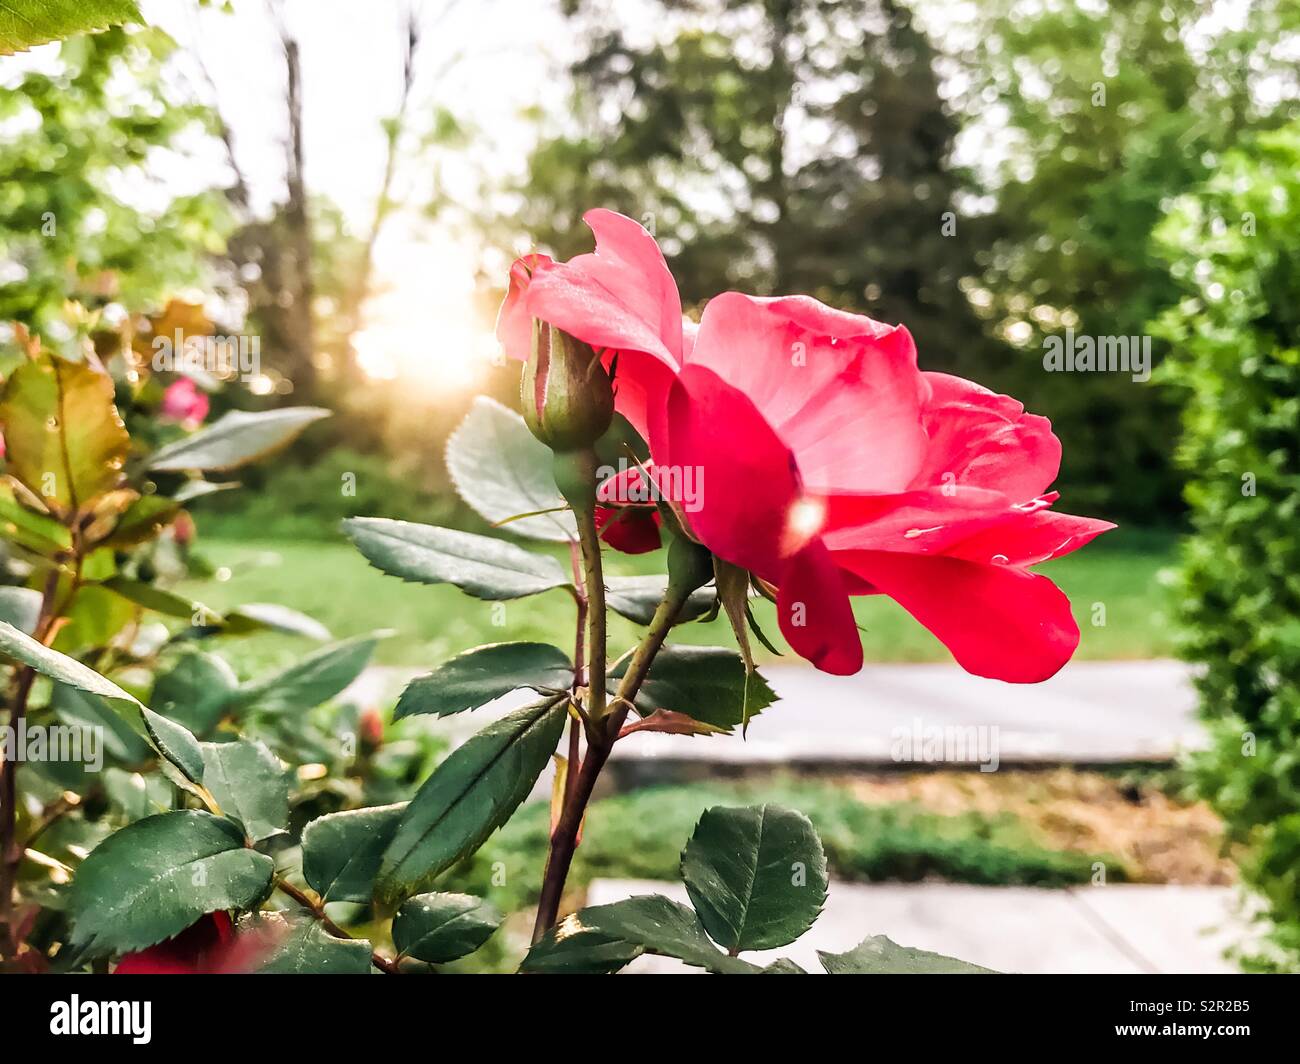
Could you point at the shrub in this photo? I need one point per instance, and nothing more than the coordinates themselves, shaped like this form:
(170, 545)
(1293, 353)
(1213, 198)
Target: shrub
(1237, 333)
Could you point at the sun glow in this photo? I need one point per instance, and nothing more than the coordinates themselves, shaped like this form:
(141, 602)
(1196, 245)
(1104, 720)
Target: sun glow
(425, 329)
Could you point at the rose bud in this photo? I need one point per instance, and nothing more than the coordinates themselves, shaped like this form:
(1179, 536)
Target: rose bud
(568, 400)
(372, 730)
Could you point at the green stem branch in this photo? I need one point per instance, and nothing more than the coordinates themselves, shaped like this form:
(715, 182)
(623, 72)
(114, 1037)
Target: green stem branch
(602, 734)
(317, 910)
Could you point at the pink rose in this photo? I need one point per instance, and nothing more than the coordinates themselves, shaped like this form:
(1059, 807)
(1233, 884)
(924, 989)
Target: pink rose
(829, 464)
(183, 401)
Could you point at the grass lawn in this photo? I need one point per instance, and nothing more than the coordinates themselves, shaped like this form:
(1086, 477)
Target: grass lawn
(331, 582)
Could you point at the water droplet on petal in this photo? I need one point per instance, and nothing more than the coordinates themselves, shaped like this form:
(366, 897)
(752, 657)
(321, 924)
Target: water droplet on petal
(1000, 559)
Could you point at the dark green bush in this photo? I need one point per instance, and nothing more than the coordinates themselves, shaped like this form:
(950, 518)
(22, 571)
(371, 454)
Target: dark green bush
(1235, 248)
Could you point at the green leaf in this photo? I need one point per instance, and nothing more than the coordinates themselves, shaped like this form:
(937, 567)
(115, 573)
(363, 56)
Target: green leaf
(637, 598)
(319, 676)
(732, 583)
(604, 938)
(707, 683)
(783, 966)
(93, 619)
(443, 927)
(20, 607)
(249, 784)
(235, 439)
(469, 796)
(483, 567)
(341, 852)
(176, 743)
(501, 469)
(477, 676)
(35, 532)
(756, 876)
(64, 439)
(168, 603)
(195, 691)
(26, 23)
(142, 521)
(310, 950)
(22, 647)
(121, 741)
(881, 956)
(135, 795)
(259, 616)
(155, 877)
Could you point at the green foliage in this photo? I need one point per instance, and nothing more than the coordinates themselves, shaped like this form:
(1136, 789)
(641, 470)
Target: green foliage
(155, 877)
(73, 467)
(741, 868)
(249, 784)
(22, 647)
(881, 956)
(235, 439)
(1111, 112)
(443, 927)
(341, 852)
(604, 938)
(503, 471)
(332, 582)
(310, 681)
(765, 164)
(310, 950)
(707, 684)
(76, 133)
(1232, 246)
(483, 567)
(27, 23)
(756, 876)
(468, 797)
(293, 501)
(476, 677)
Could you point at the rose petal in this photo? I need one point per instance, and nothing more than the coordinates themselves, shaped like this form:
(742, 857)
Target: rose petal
(192, 951)
(998, 621)
(514, 325)
(745, 478)
(840, 390)
(815, 614)
(1023, 539)
(632, 530)
(917, 522)
(621, 296)
(980, 439)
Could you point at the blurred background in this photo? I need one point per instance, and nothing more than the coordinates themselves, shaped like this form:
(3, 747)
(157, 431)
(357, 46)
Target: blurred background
(347, 183)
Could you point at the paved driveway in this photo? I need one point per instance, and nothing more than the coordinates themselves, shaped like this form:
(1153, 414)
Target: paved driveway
(1090, 712)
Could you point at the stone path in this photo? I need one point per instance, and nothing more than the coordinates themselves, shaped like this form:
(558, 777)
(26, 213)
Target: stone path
(1108, 929)
(1091, 712)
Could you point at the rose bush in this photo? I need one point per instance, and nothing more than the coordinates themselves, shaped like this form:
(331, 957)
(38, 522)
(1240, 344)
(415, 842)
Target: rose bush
(781, 448)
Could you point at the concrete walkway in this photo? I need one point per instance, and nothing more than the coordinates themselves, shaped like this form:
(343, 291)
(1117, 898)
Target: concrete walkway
(1107, 929)
(1090, 712)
